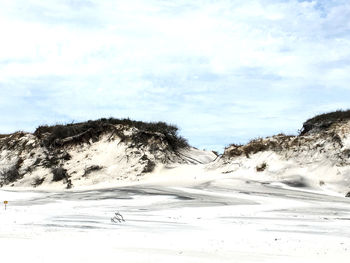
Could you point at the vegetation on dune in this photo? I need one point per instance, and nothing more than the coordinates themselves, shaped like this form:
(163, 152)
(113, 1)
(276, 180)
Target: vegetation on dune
(38, 181)
(12, 174)
(261, 167)
(59, 173)
(9, 176)
(325, 120)
(257, 145)
(56, 135)
(156, 136)
(90, 169)
(281, 141)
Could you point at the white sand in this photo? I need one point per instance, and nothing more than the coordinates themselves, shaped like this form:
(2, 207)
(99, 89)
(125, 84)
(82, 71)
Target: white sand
(178, 215)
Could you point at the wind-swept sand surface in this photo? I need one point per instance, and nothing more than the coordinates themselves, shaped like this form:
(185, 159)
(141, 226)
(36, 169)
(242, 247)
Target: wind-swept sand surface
(227, 219)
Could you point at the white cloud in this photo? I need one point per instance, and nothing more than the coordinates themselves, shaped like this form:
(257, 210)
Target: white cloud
(214, 67)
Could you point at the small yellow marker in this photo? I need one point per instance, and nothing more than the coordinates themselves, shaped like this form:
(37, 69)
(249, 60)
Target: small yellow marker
(5, 202)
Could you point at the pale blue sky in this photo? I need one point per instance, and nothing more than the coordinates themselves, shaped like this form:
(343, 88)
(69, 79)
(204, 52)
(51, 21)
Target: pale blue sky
(223, 71)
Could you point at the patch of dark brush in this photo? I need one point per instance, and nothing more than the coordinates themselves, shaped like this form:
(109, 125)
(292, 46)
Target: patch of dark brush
(59, 173)
(74, 133)
(12, 174)
(38, 181)
(325, 120)
(91, 169)
(261, 167)
(9, 176)
(295, 183)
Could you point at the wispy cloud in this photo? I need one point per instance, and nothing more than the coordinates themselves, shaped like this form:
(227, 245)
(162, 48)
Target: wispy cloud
(224, 71)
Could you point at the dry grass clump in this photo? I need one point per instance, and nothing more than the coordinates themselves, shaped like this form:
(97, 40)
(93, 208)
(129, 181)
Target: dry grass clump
(276, 143)
(255, 146)
(234, 150)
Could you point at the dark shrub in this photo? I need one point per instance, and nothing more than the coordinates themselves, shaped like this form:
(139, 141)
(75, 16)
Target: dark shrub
(261, 167)
(57, 135)
(255, 146)
(149, 165)
(37, 161)
(50, 161)
(91, 169)
(69, 184)
(295, 183)
(235, 150)
(324, 121)
(348, 194)
(38, 181)
(59, 174)
(10, 175)
(66, 156)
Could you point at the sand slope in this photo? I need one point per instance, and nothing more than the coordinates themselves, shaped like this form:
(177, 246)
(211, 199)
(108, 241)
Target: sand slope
(217, 220)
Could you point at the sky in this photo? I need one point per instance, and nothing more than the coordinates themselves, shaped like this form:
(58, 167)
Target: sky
(223, 71)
